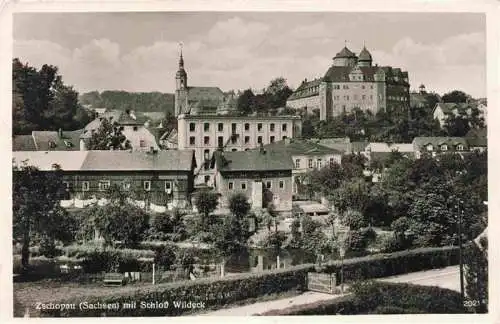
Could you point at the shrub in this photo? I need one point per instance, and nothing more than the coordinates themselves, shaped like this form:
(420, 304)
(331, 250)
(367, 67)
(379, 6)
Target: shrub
(215, 293)
(166, 256)
(48, 247)
(384, 265)
(476, 276)
(383, 298)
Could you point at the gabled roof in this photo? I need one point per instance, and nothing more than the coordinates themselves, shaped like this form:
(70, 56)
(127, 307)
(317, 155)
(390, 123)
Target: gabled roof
(449, 107)
(437, 141)
(345, 53)
(200, 93)
(47, 141)
(170, 160)
(300, 147)
(341, 73)
(268, 160)
(67, 160)
(121, 117)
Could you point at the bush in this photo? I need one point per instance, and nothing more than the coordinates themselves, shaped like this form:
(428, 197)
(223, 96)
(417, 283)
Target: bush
(214, 293)
(166, 256)
(476, 276)
(383, 298)
(384, 265)
(48, 247)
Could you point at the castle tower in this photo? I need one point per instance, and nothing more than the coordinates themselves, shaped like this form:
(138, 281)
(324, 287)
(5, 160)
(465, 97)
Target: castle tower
(345, 58)
(180, 87)
(365, 58)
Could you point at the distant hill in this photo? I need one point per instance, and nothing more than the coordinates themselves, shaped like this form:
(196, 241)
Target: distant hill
(123, 100)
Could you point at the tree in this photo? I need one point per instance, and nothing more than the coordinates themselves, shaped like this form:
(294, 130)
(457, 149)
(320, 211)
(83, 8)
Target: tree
(326, 179)
(35, 205)
(353, 219)
(206, 202)
(457, 126)
(476, 276)
(456, 96)
(354, 194)
(353, 165)
(41, 101)
(119, 222)
(165, 256)
(277, 92)
(246, 102)
(239, 206)
(108, 137)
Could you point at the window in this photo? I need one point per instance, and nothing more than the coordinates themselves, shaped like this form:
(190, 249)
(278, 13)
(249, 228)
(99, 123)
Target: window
(247, 126)
(146, 185)
(230, 186)
(364, 97)
(247, 139)
(284, 137)
(206, 127)
(234, 139)
(206, 155)
(234, 150)
(66, 185)
(207, 179)
(104, 185)
(310, 163)
(283, 127)
(362, 87)
(460, 147)
(271, 127)
(243, 186)
(429, 147)
(206, 140)
(269, 184)
(336, 86)
(320, 164)
(68, 143)
(259, 139)
(259, 127)
(371, 86)
(192, 140)
(135, 128)
(371, 97)
(347, 98)
(233, 128)
(220, 141)
(168, 186)
(271, 139)
(220, 127)
(332, 161)
(282, 184)
(297, 163)
(444, 147)
(192, 127)
(142, 143)
(85, 186)
(345, 86)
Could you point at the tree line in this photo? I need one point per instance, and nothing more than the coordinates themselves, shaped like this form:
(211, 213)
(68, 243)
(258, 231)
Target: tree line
(123, 100)
(41, 100)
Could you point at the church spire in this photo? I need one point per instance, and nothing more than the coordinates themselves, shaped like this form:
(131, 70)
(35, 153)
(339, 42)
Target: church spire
(181, 59)
(181, 75)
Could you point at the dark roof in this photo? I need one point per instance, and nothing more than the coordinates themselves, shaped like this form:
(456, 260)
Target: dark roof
(170, 160)
(341, 144)
(364, 55)
(300, 147)
(303, 90)
(23, 143)
(449, 107)
(200, 93)
(341, 73)
(267, 160)
(48, 141)
(345, 53)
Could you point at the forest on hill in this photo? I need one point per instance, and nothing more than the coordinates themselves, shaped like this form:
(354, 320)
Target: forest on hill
(123, 100)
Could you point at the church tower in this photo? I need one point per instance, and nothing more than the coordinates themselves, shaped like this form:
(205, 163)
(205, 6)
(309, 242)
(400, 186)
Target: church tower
(181, 87)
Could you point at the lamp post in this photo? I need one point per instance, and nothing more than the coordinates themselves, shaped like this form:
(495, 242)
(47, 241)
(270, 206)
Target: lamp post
(342, 254)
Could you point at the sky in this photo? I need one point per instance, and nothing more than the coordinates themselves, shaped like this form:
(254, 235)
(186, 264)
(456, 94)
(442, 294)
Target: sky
(139, 51)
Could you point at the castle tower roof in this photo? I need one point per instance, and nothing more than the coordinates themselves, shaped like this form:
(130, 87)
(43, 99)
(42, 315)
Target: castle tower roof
(364, 55)
(345, 53)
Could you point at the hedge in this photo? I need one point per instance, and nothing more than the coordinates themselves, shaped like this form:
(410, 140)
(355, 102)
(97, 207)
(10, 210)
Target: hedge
(213, 292)
(385, 265)
(383, 298)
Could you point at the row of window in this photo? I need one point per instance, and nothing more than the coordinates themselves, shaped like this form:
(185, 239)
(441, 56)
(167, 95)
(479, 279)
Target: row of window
(220, 127)
(345, 86)
(355, 97)
(268, 185)
(444, 147)
(234, 140)
(318, 164)
(105, 185)
(397, 98)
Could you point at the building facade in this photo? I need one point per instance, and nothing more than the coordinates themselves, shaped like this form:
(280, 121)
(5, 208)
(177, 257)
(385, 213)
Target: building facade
(353, 82)
(206, 134)
(437, 145)
(156, 180)
(263, 176)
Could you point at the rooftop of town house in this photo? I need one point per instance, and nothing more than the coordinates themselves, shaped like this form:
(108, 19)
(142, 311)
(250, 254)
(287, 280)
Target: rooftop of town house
(255, 160)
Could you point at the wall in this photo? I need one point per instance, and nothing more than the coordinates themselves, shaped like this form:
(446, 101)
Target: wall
(308, 103)
(283, 201)
(304, 164)
(135, 136)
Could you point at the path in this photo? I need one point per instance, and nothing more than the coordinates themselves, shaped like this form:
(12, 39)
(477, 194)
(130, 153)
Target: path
(445, 278)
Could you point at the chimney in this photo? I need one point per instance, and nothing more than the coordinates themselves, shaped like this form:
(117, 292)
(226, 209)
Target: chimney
(262, 150)
(132, 115)
(60, 133)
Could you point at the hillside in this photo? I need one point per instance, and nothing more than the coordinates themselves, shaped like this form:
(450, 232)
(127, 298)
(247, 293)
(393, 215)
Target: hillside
(123, 100)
